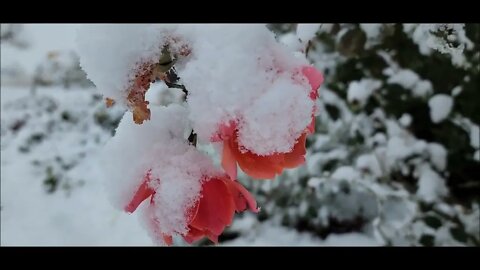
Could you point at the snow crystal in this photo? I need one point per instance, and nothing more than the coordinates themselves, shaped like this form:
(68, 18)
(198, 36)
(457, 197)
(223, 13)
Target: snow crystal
(361, 90)
(440, 107)
(111, 53)
(306, 32)
(431, 186)
(438, 155)
(160, 147)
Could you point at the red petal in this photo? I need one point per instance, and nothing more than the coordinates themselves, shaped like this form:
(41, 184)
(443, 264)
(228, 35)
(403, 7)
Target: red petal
(243, 198)
(216, 207)
(143, 192)
(315, 78)
(213, 238)
(167, 239)
(193, 235)
(259, 167)
(311, 126)
(297, 156)
(225, 131)
(229, 163)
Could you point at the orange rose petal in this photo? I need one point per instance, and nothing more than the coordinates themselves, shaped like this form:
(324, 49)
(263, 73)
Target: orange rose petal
(315, 78)
(311, 126)
(193, 235)
(229, 163)
(259, 167)
(297, 156)
(167, 239)
(143, 192)
(239, 200)
(213, 237)
(244, 198)
(216, 207)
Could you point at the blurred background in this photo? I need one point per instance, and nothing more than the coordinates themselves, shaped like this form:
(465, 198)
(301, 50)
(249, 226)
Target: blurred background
(395, 159)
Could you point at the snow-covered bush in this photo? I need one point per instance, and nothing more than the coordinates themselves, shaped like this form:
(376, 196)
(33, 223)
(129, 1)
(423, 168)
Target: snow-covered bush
(60, 68)
(396, 149)
(55, 131)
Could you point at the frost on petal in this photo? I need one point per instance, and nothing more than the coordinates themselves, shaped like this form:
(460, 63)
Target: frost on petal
(277, 118)
(315, 79)
(235, 73)
(143, 192)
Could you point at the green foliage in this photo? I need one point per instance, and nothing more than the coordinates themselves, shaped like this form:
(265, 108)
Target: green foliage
(388, 200)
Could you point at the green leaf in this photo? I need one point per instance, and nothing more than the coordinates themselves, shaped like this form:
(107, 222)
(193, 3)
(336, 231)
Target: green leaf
(459, 234)
(433, 221)
(427, 240)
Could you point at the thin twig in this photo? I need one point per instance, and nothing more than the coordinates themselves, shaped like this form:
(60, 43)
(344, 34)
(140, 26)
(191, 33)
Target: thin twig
(192, 139)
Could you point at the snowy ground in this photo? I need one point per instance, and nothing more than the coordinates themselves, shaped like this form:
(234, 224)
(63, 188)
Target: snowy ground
(75, 215)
